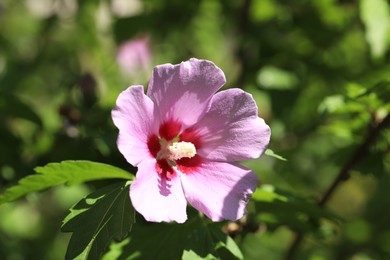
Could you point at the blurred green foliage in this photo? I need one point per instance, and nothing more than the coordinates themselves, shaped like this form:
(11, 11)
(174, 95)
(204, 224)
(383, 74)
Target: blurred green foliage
(319, 71)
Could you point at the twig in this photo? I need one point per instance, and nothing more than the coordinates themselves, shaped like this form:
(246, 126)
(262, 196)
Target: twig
(360, 153)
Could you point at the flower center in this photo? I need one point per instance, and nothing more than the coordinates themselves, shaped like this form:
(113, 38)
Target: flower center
(175, 152)
(178, 150)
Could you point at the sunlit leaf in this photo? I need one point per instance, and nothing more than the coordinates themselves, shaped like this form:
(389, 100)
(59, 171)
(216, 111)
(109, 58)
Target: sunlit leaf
(104, 215)
(355, 90)
(194, 239)
(226, 246)
(331, 104)
(191, 255)
(271, 153)
(69, 172)
(263, 10)
(266, 193)
(274, 78)
(375, 15)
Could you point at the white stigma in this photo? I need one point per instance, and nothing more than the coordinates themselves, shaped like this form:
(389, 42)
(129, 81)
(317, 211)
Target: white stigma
(178, 150)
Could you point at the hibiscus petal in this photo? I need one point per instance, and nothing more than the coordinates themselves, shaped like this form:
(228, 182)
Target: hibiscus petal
(231, 130)
(133, 115)
(220, 190)
(157, 198)
(182, 92)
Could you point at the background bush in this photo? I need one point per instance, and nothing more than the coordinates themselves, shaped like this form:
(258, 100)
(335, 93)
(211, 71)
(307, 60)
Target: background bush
(319, 71)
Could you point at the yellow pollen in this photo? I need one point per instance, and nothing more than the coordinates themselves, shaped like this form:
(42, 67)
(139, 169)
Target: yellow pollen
(178, 150)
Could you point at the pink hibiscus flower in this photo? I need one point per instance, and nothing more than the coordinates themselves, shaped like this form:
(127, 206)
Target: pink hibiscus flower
(134, 55)
(185, 140)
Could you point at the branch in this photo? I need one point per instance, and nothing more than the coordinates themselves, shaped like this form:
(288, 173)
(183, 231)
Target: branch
(358, 156)
(360, 153)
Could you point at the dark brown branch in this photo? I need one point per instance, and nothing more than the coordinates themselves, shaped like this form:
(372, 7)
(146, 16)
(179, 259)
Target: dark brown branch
(294, 246)
(360, 153)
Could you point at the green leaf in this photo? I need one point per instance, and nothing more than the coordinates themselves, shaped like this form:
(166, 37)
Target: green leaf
(375, 15)
(274, 78)
(226, 246)
(194, 239)
(271, 153)
(267, 194)
(277, 208)
(69, 172)
(95, 221)
(331, 104)
(191, 255)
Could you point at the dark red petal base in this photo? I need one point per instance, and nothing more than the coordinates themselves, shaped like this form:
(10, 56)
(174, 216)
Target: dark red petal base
(170, 129)
(154, 145)
(189, 165)
(191, 135)
(164, 169)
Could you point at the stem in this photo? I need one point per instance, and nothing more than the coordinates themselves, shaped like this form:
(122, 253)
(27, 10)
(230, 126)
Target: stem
(360, 153)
